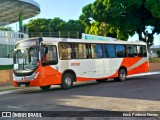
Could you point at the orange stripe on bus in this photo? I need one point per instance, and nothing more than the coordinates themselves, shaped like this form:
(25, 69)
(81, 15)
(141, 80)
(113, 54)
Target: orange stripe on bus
(128, 62)
(141, 68)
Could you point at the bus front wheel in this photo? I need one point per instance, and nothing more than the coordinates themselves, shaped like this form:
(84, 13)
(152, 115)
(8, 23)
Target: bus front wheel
(47, 87)
(67, 81)
(122, 74)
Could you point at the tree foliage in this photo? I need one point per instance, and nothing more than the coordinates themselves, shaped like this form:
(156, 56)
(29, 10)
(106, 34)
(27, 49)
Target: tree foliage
(124, 17)
(6, 28)
(54, 25)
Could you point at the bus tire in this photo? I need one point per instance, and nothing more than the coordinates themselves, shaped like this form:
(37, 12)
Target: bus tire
(122, 74)
(67, 81)
(47, 87)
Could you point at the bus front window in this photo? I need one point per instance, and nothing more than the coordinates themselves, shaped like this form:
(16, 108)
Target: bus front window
(26, 58)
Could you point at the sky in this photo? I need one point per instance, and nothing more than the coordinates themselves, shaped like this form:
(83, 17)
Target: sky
(66, 10)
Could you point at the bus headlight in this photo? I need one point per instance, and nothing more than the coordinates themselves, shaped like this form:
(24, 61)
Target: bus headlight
(35, 75)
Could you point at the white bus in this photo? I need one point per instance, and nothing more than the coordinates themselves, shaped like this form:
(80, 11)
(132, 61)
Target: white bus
(61, 61)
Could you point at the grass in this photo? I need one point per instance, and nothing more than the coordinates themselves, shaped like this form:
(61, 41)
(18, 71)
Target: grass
(154, 60)
(6, 67)
(7, 89)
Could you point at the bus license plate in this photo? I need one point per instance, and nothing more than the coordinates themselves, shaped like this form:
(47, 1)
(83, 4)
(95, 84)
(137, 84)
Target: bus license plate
(23, 85)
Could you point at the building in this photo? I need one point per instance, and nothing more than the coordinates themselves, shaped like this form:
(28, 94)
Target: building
(12, 11)
(153, 50)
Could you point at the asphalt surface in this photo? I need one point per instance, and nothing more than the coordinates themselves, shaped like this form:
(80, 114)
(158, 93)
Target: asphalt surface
(135, 94)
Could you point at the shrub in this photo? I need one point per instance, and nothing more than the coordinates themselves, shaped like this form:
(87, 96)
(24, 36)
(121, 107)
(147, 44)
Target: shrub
(158, 53)
(6, 67)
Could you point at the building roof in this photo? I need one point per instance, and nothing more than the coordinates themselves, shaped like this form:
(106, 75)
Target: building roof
(10, 9)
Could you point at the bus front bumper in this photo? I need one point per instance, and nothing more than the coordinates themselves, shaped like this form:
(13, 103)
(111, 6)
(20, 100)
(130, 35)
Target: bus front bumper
(25, 81)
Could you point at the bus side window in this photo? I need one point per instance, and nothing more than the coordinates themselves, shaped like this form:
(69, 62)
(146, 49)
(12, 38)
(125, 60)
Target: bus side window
(43, 53)
(81, 51)
(130, 51)
(65, 51)
(142, 52)
(75, 51)
(110, 51)
(88, 51)
(135, 51)
(49, 55)
(120, 51)
(96, 50)
(46, 53)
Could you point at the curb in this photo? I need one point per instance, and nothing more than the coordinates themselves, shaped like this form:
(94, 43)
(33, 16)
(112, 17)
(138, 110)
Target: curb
(8, 92)
(144, 74)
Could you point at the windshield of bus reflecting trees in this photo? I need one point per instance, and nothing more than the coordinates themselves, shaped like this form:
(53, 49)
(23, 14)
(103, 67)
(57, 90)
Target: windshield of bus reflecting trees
(97, 51)
(26, 58)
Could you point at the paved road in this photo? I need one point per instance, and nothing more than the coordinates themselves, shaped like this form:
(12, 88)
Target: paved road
(135, 94)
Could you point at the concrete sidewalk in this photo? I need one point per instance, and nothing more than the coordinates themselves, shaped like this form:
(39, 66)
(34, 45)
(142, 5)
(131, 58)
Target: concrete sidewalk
(7, 88)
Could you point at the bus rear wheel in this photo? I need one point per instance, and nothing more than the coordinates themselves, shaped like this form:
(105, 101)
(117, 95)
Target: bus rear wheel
(47, 87)
(67, 81)
(122, 74)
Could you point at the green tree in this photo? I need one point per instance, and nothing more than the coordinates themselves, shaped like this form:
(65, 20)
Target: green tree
(6, 28)
(38, 25)
(127, 16)
(96, 23)
(158, 53)
(54, 25)
(74, 25)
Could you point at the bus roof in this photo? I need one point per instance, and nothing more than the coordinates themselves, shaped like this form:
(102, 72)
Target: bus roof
(47, 39)
(52, 39)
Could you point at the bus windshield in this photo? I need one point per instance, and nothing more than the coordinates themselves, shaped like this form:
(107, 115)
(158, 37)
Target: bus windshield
(26, 58)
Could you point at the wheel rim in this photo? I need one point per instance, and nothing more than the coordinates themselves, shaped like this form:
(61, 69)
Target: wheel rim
(123, 75)
(68, 81)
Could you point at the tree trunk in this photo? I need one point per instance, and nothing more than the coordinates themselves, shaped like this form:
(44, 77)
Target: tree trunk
(148, 37)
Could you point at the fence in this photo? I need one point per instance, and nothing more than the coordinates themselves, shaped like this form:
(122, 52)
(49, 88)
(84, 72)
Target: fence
(60, 34)
(6, 77)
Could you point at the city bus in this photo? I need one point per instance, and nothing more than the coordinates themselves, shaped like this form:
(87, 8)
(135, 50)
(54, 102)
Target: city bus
(48, 61)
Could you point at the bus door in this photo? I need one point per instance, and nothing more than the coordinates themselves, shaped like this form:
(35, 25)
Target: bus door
(49, 62)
